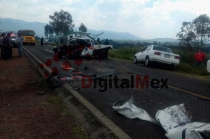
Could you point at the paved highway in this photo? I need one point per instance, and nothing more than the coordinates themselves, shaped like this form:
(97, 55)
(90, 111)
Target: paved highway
(194, 93)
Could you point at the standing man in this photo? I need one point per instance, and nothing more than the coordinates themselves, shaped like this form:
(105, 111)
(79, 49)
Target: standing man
(42, 40)
(1, 44)
(19, 42)
(199, 57)
(7, 46)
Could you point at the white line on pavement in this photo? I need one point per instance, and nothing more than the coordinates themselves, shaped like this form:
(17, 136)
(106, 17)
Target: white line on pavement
(48, 50)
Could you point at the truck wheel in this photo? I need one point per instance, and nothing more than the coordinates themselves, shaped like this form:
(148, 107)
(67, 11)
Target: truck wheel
(106, 54)
(101, 55)
(60, 55)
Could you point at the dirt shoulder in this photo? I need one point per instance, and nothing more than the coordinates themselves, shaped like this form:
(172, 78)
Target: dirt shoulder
(23, 113)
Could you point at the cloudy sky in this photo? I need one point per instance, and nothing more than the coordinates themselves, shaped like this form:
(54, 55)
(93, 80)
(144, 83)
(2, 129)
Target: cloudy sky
(143, 18)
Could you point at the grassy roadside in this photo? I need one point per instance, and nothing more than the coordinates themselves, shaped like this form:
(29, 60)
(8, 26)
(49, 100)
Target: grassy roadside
(127, 53)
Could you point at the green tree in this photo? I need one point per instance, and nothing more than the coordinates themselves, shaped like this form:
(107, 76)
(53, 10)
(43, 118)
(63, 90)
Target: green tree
(46, 30)
(61, 23)
(187, 37)
(82, 28)
(202, 28)
(194, 34)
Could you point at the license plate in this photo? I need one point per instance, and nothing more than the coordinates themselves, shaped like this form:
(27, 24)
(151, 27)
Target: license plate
(167, 56)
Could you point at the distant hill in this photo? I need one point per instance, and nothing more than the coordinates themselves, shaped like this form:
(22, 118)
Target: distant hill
(8, 24)
(114, 35)
(162, 40)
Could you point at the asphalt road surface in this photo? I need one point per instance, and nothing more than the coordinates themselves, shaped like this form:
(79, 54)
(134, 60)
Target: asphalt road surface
(181, 89)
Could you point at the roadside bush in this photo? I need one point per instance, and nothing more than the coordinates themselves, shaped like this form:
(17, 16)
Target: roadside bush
(186, 68)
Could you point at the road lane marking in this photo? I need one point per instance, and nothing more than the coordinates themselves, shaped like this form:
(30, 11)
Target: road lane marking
(48, 50)
(179, 89)
(189, 92)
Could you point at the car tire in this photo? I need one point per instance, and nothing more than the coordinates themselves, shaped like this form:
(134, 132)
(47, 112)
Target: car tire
(147, 62)
(135, 60)
(60, 55)
(106, 54)
(172, 66)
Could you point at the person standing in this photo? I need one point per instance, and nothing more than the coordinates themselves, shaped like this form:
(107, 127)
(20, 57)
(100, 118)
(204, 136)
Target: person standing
(7, 46)
(199, 57)
(42, 41)
(19, 42)
(1, 44)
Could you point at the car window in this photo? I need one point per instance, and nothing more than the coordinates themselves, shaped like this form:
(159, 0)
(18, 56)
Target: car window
(148, 48)
(143, 49)
(161, 48)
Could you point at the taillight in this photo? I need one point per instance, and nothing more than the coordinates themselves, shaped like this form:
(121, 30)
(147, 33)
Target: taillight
(157, 53)
(177, 57)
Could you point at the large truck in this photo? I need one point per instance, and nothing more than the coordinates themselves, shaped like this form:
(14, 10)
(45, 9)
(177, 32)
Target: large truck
(79, 44)
(28, 36)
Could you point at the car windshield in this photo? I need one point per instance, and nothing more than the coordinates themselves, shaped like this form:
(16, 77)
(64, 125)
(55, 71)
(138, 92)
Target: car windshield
(161, 48)
(12, 37)
(83, 41)
(28, 33)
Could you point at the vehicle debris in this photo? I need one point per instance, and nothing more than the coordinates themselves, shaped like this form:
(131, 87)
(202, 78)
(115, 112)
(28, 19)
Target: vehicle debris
(76, 88)
(129, 110)
(176, 121)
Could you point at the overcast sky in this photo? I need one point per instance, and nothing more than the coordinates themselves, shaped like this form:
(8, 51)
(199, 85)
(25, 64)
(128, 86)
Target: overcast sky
(143, 18)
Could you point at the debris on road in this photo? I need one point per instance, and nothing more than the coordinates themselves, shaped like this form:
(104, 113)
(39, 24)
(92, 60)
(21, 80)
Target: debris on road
(176, 121)
(173, 116)
(129, 110)
(76, 88)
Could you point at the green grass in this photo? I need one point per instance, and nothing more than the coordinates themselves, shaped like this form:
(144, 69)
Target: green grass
(193, 70)
(124, 52)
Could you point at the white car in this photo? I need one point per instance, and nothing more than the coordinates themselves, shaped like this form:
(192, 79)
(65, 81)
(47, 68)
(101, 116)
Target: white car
(208, 66)
(156, 53)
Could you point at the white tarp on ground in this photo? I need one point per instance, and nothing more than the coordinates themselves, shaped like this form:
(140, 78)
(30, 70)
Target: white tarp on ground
(175, 120)
(191, 130)
(173, 116)
(131, 111)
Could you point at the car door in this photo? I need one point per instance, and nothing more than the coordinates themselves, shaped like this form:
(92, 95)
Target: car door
(139, 54)
(145, 53)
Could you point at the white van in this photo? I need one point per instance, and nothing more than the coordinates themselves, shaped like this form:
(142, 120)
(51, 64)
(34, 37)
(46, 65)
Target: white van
(208, 66)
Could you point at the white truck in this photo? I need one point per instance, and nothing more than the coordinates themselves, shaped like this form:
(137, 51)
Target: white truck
(81, 45)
